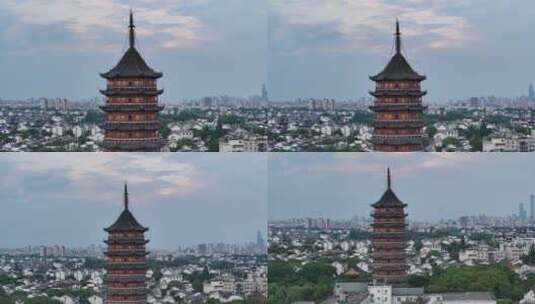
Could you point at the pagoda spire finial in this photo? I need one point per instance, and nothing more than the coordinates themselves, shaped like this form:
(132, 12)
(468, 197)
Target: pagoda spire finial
(398, 38)
(125, 196)
(388, 181)
(132, 27)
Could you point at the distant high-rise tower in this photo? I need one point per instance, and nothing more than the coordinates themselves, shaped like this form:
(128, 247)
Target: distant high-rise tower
(522, 214)
(125, 280)
(531, 92)
(389, 238)
(132, 122)
(260, 242)
(265, 96)
(398, 108)
(532, 208)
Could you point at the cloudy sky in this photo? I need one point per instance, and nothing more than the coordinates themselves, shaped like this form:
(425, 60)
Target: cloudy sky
(328, 48)
(435, 186)
(204, 47)
(184, 199)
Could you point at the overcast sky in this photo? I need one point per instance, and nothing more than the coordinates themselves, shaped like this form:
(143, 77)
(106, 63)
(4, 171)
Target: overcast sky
(435, 186)
(328, 48)
(301, 48)
(184, 199)
(204, 47)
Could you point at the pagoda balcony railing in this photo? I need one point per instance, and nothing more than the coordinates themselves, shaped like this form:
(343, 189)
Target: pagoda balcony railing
(125, 278)
(399, 123)
(397, 139)
(114, 292)
(390, 238)
(383, 243)
(401, 226)
(126, 289)
(132, 87)
(386, 235)
(116, 273)
(383, 107)
(125, 253)
(389, 255)
(416, 87)
(388, 215)
(124, 265)
(132, 107)
(132, 92)
(115, 249)
(131, 144)
(390, 247)
(138, 236)
(126, 241)
(132, 125)
(400, 92)
(390, 267)
(141, 301)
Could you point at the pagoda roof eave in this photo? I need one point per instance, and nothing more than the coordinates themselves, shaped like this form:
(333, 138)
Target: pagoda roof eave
(140, 92)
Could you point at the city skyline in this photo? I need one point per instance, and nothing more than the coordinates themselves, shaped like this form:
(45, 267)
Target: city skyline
(341, 186)
(328, 49)
(202, 47)
(71, 197)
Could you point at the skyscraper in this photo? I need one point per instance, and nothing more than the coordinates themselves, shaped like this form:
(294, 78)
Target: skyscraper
(398, 108)
(265, 96)
(125, 281)
(532, 208)
(522, 214)
(531, 92)
(132, 122)
(389, 238)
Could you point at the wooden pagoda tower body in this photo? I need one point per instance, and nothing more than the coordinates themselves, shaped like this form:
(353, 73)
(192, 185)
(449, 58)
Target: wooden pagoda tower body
(125, 281)
(132, 109)
(389, 240)
(398, 124)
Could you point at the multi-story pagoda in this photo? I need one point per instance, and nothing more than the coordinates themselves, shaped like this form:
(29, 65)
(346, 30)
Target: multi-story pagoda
(389, 238)
(132, 122)
(398, 108)
(126, 266)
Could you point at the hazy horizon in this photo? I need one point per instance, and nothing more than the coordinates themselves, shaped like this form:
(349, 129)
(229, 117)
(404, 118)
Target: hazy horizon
(58, 48)
(434, 185)
(328, 48)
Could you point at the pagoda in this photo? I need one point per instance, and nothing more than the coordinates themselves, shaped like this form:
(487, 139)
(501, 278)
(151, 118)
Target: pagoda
(389, 240)
(398, 108)
(131, 108)
(126, 266)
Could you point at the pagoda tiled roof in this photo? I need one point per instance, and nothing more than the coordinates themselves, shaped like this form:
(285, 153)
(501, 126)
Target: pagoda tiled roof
(126, 220)
(389, 198)
(131, 65)
(398, 68)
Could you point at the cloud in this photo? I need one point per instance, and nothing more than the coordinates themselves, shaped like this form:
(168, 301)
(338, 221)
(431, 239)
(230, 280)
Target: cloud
(88, 173)
(404, 164)
(300, 25)
(97, 25)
